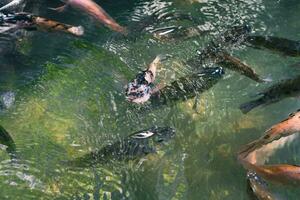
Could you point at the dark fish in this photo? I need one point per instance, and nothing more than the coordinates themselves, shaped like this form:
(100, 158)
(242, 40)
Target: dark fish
(134, 146)
(187, 87)
(216, 52)
(6, 139)
(235, 64)
(277, 92)
(258, 188)
(280, 45)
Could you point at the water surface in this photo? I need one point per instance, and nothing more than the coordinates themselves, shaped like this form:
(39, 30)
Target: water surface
(70, 100)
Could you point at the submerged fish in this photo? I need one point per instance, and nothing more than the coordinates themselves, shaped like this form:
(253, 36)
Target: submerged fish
(281, 45)
(235, 64)
(134, 146)
(277, 92)
(216, 52)
(8, 142)
(231, 38)
(187, 87)
(93, 9)
(284, 128)
(258, 188)
(31, 22)
(280, 173)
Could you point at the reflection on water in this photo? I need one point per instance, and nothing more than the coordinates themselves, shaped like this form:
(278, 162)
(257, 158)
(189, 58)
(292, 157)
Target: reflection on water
(69, 100)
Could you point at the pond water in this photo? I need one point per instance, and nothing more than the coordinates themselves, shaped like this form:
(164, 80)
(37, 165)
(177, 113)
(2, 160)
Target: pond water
(70, 100)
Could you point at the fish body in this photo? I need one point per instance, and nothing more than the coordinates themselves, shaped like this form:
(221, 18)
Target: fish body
(280, 173)
(140, 89)
(93, 9)
(50, 25)
(187, 87)
(258, 188)
(134, 146)
(284, 128)
(216, 52)
(229, 39)
(277, 92)
(230, 62)
(280, 45)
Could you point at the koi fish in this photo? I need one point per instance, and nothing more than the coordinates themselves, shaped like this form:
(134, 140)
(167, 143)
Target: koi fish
(93, 9)
(258, 187)
(32, 22)
(281, 173)
(282, 129)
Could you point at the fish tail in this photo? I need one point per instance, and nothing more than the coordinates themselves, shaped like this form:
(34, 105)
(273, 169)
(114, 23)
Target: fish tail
(248, 106)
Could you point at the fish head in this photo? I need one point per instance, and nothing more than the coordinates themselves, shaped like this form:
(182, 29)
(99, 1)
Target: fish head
(236, 35)
(216, 72)
(163, 134)
(157, 134)
(243, 29)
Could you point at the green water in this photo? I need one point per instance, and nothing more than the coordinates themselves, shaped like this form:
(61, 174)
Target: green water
(70, 100)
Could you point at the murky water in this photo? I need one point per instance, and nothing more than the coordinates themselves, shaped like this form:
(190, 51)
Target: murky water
(70, 100)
